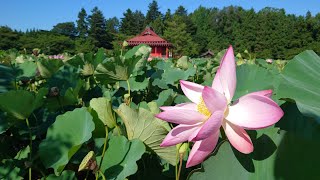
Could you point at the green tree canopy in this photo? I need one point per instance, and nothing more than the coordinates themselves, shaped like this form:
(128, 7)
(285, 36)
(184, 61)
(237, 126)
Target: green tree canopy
(8, 38)
(98, 29)
(66, 28)
(82, 23)
(176, 33)
(153, 13)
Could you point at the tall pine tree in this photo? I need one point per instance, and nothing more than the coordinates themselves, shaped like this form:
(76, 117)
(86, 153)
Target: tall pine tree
(128, 26)
(82, 23)
(177, 34)
(98, 30)
(153, 13)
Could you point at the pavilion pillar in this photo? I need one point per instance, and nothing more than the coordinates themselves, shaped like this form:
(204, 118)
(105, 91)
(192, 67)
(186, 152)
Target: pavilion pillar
(167, 52)
(156, 50)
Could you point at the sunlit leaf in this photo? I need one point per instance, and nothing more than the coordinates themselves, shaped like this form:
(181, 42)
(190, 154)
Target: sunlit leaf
(104, 110)
(301, 83)
(21, 103)
(65, 137)
(143, 125)
(121, 156)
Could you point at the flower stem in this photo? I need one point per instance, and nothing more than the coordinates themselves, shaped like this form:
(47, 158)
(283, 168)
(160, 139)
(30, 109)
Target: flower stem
(129, 88)
(180, 165)
(103, 152)
(176, 166)
(102, 175)
(30, 136)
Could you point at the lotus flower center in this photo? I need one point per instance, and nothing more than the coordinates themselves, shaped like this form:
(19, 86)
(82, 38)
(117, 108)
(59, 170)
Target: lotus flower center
(202, 108)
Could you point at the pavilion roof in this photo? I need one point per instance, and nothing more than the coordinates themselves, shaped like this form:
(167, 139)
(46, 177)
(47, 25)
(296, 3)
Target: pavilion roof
(149, 37)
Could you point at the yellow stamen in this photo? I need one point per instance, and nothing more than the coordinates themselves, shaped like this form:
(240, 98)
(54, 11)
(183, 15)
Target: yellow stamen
(202, 108)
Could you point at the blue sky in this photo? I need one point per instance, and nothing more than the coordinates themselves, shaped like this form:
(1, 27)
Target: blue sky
(44, 14)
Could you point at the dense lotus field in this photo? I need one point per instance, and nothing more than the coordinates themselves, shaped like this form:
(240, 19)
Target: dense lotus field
(92, 116)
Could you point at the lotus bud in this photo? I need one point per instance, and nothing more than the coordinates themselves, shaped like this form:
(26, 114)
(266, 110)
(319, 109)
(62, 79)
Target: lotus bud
(127, 99)
(183, 148)
(125, 44)
(87, 70)
(239, 56)
(178, 146)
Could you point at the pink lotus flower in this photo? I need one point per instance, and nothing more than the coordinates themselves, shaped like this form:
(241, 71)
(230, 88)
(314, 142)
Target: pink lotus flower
(211, 108)
(269, 61)
(56, 56)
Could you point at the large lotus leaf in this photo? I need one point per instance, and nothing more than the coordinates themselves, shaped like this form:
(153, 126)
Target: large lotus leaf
(65, 175)
(9, 170)
(7, 76)
(166, 97)
(143, 125)
(21, 103)
(99, 57)
(28, 70)
(140, 52)
(5, 123)
(80, 60)
(170, 75)
(295, 122)
(136, 83)
(40, 98)
(112, 70)
(252, 78)
(65, 137)
(121, 156)
(66, 77)
(277, 155)
(103, 107)
(47, 67)
(120, 68)
(181, 99)
(76, 61)
(69, 97)
(301, 83)
(183, 62)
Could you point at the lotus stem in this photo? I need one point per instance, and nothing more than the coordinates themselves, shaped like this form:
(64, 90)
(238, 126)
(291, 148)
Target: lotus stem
(176, 166)
(180, 165)
(102, 175)
(129, 88)
(30, 158)
(103, 153)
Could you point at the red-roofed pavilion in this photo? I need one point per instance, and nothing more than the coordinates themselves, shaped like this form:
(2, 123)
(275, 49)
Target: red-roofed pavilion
(160, 47)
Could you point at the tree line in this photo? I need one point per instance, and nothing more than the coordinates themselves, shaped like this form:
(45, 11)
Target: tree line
(268, 33)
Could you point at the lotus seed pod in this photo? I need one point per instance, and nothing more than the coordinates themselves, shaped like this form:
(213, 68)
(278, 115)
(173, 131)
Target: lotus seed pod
(88, 162)
(54, 92)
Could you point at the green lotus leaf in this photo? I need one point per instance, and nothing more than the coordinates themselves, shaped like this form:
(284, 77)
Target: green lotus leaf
(47, 67)
(65, 137)
(301, 83)
(142, 124)
(65, 175)
(121, 156)
(103, 108)
(21, 103)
